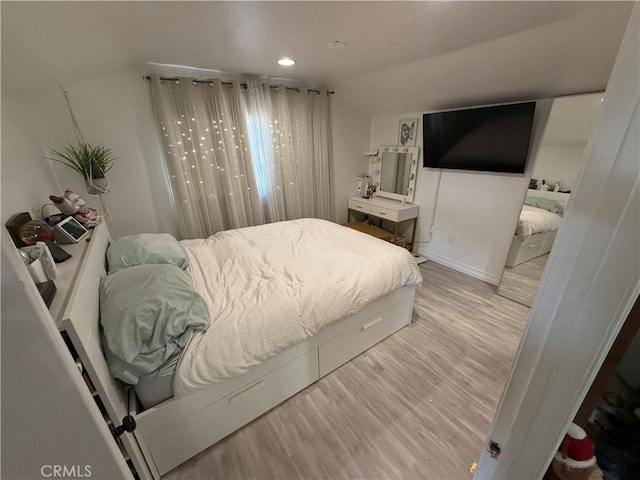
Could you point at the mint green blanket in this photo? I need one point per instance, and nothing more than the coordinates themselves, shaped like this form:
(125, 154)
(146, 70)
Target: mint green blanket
(545, 204)
(148, 313)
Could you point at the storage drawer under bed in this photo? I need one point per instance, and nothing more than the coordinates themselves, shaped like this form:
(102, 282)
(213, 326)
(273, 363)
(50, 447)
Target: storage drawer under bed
(178, 429)
(178, 443)
(350, 344)
(529, 248)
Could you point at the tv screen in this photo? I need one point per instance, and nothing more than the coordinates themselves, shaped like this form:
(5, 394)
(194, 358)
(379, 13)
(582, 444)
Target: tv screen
(492, 139)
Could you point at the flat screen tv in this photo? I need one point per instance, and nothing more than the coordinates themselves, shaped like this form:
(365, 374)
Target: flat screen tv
(492, 139)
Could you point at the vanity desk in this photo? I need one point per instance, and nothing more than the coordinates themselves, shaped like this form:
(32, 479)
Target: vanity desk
(393, 171)
(389, 210)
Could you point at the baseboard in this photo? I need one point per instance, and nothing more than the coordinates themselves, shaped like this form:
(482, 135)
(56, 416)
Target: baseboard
(462, 268)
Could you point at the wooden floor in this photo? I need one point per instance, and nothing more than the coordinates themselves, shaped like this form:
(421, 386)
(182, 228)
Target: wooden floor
(520, 283)
(417, 405)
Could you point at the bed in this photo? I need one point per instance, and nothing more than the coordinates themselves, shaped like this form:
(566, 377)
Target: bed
(224, 383)
(538, 223)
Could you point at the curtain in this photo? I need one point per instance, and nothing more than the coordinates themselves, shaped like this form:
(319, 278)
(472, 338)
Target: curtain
(239, 156)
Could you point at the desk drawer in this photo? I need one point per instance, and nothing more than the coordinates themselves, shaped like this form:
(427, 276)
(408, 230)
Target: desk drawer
(355, 341)
(359, 206)
(383, 212)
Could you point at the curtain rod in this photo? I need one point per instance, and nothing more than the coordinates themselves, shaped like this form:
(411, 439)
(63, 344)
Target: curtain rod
(242, 84)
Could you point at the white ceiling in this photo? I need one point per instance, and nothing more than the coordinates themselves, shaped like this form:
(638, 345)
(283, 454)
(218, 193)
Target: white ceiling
(401, 56)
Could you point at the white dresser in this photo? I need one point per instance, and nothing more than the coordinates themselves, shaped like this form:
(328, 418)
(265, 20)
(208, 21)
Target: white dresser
(389, 210)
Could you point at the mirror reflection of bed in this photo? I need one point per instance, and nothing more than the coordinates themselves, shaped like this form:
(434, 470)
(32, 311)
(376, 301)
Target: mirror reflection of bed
(554, 176)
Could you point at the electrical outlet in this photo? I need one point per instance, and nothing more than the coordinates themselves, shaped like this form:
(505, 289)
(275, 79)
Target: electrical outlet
(451, 238)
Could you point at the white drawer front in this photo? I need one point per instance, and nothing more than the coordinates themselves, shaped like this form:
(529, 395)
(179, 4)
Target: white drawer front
(177, 444)
(360, 206)
(407, 213)
(548, 243)
(538, 248)
(350, 344)
(384, 213)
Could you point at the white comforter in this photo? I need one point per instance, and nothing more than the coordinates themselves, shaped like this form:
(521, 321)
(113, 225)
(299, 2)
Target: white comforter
(536, 220)
(272, 286)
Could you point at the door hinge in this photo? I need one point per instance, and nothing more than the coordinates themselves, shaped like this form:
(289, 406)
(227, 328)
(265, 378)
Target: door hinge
(128, 425)
(494, 449)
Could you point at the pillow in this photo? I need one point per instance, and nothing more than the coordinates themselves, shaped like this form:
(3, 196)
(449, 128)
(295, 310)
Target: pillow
(144, 249)
(545, 204)
(147, 314)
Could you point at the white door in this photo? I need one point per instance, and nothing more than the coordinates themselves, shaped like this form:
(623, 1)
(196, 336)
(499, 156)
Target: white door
(589, 287)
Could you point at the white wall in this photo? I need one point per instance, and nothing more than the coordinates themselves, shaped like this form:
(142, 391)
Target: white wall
(27, 179)
(351, 129)
(114, 111)
(477, 210)
(559, 163)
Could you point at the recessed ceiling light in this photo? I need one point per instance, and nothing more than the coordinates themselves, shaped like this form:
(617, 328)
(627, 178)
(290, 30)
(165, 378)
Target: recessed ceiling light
(286, 62)
(337, 44)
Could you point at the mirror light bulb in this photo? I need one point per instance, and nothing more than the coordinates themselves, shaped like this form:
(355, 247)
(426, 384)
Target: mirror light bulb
(286, 62)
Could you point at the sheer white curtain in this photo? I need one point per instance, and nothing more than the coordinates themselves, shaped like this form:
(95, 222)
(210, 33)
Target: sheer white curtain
(244, 156)
(294, 137)
(208, 155)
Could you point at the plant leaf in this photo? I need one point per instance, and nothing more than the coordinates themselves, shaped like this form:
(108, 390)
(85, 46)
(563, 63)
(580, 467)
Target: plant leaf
(88, 161)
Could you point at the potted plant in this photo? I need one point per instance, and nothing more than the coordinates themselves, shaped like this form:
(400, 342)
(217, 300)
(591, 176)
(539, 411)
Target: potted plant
(91, 162)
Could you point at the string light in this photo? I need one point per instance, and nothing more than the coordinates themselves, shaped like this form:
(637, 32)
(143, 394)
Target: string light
(282, 136)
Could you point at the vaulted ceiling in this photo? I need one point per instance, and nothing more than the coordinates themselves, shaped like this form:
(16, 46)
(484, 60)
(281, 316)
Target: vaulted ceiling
(401, 56)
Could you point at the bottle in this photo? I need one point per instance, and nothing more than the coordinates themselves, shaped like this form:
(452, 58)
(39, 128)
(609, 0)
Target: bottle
(366, 185)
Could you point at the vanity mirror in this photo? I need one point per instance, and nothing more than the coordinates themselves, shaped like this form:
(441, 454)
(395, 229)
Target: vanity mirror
(396, 172)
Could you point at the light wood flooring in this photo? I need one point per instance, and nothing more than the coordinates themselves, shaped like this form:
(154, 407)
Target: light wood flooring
(417, 405)
(520, 283)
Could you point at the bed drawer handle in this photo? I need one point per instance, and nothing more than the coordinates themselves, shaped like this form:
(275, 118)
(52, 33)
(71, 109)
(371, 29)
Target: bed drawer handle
(370, 323)
(245, 390)
(381, 212)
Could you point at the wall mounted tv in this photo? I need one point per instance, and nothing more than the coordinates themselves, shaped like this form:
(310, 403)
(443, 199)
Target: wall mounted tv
(491, 139)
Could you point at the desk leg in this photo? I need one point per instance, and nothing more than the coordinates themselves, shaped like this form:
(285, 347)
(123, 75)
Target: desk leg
(413, 234)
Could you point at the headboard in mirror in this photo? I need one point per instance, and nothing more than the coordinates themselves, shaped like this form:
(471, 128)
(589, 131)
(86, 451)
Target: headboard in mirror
(396, 172)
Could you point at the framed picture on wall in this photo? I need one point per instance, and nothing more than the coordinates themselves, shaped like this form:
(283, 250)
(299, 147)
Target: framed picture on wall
(408, 132)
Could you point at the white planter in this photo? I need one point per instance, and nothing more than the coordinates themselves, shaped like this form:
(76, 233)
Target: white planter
(97, 185)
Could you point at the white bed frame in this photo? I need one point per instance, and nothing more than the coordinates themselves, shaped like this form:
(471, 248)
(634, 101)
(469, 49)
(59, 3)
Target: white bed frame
(172, 432)
(524, 249)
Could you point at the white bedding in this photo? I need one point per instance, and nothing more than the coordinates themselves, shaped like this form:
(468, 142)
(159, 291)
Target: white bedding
(272, 286)
(536, 220)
